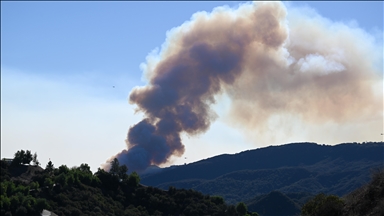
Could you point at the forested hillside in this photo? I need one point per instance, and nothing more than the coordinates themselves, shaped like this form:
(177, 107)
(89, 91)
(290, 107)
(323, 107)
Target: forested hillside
(294, 179)
(367, 200)
(307, 168)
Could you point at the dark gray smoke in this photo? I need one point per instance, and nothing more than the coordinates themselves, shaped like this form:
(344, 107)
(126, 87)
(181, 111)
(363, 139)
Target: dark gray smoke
(265, 67)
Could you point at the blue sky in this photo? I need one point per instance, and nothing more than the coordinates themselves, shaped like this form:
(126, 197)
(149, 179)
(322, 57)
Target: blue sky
(59, 61)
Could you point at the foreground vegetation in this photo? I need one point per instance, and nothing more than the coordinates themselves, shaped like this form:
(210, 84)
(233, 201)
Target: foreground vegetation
(28, 189)
(366, 200)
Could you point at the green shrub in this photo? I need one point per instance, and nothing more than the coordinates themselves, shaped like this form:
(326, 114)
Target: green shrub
(322, 204)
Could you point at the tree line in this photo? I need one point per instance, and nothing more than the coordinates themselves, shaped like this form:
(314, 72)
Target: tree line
(366, 200)
(78, 191)
(25, 157)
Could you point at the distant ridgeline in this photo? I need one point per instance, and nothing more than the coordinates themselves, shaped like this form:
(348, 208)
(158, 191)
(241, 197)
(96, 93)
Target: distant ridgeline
(298, 170)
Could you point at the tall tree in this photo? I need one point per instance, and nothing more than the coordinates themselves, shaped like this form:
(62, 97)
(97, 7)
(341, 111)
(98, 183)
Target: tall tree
(134, 179)
(123, 169)
(49, 166)
(34, 160)
(241, 208)
(115, 166)
(17, 160)
(85, 168)
(27, 157)
(22, 155)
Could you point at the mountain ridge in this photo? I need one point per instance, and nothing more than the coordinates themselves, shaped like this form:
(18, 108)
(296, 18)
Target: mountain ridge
(334, 169)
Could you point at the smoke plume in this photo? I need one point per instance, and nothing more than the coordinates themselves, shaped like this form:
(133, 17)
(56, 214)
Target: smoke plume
(267, 65)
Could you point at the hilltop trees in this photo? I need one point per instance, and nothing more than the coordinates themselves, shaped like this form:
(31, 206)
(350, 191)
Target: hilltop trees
(117, 170)
(115, 165)
(18, 158)
(22, 157)
(133, 179)
(85, 168)
(49, 166)
(27, 157)
(76, 190)
(120, 172)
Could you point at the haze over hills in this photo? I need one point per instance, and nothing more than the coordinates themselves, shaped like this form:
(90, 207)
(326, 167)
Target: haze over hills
(292, 168)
